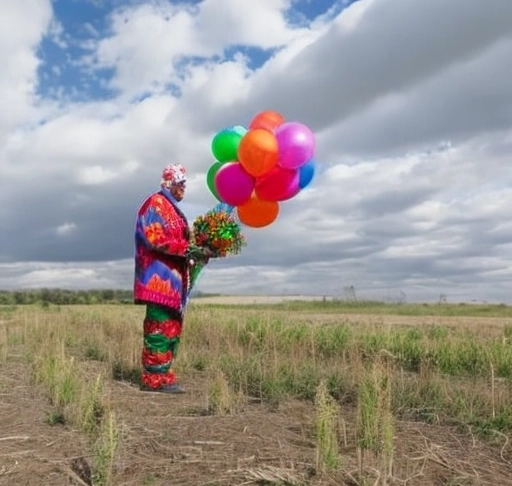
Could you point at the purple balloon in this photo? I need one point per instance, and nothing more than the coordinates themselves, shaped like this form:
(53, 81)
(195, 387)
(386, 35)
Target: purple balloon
(296, 145)
(233, 184)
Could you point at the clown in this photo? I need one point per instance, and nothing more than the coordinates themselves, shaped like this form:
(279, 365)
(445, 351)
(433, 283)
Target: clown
(162, 277)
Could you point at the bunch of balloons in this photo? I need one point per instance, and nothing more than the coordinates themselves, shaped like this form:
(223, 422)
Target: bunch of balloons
(258, 167)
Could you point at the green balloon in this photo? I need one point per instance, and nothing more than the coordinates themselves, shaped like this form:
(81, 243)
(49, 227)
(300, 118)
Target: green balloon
(225, 145)
(210, 178)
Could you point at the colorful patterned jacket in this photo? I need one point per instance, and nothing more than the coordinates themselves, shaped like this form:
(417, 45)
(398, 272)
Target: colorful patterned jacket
(161, 241)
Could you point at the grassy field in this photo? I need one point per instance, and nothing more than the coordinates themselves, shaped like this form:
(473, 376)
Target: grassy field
(291, 393)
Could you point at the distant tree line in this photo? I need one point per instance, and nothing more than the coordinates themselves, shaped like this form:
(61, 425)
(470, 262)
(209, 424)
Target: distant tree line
(72, 297)
(65, 297)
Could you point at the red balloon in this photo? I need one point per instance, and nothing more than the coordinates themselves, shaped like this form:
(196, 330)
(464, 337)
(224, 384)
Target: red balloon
(267, 120)
(278, 185)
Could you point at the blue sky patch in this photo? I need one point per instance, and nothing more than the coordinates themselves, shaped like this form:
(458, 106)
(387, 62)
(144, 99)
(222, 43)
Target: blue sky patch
(63, 73)
(305, 11)
(66, 52)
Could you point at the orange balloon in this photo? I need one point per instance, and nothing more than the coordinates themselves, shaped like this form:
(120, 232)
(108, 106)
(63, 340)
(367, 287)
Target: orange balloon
(258, 213)
(258, 151)
(267, 120)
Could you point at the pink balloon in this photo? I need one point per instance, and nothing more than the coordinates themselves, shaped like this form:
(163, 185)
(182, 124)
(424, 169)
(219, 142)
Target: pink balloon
(278, 184)
(234, 185)
(296, 145)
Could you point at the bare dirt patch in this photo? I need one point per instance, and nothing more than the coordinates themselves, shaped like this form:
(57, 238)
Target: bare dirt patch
(32, 453)
(170, 440)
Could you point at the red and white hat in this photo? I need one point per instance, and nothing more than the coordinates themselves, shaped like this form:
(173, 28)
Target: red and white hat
(173, 174)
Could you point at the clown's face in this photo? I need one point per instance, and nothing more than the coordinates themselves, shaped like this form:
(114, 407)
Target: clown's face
(178, 190)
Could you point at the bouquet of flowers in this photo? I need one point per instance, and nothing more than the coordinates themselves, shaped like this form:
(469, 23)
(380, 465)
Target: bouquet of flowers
(218, 231)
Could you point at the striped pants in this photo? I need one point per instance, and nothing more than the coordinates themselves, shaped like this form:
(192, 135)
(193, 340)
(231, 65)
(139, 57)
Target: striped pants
(162, 331)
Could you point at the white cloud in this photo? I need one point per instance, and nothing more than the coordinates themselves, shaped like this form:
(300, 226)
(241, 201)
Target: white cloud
(244, 22)
(150, 42)
(390, 51)
(68, 276)
(21, 30)
(413, 119)
(65, 228)
(95, 175)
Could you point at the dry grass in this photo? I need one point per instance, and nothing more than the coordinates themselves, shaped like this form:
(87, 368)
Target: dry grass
(402, 397)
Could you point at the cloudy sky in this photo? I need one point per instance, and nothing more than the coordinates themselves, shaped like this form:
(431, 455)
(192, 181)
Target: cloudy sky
(410, 102)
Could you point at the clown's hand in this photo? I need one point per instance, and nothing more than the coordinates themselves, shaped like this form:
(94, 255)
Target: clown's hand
(198, 254)
(207, 252)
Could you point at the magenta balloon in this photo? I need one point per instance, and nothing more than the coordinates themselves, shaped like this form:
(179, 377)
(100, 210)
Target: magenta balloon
(296, 145)
(278, 184)
(234, 185)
